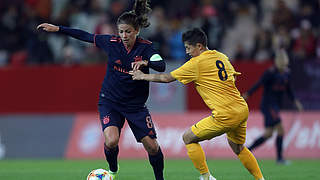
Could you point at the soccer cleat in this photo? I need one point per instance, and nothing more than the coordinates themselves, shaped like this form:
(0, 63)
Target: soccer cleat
(114, 174)
(210, 178)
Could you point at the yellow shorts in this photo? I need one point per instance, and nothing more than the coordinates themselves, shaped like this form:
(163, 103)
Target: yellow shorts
(211, 127)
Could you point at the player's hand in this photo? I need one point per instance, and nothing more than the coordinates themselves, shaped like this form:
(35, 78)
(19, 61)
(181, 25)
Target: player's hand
(137, 65)
(48, 27)
(136, 74)
(299, 105)
(245, 96)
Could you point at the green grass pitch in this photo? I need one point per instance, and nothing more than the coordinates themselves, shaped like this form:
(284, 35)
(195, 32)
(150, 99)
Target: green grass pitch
(141, 170)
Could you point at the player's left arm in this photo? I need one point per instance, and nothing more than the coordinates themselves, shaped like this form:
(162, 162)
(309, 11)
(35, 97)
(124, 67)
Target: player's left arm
(162, 78)
(154, 61)
(262, 81)
(298, 105)
(159, 66)
(291, 95)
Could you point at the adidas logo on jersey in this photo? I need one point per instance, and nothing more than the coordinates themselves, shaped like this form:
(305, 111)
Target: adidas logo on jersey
(118, 62)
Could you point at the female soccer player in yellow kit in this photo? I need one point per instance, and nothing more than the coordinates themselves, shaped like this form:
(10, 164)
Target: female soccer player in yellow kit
(214, 79)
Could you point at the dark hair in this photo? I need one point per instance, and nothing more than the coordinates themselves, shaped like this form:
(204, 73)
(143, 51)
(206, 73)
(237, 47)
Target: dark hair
(194, 36)
(138, 17)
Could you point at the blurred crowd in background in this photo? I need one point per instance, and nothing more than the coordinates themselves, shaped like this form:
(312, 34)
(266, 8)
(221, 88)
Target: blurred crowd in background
(245, 30)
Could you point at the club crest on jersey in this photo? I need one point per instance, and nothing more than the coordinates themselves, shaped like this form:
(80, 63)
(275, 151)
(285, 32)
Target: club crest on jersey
(137, 58)
(106, 119)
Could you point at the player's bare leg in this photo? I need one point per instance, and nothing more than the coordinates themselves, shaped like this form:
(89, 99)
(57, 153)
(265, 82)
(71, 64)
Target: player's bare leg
(111, 149)
(279, 144)
(155, 156)
(247, 159)
(196, 154)
(111, 135)
(259, 141)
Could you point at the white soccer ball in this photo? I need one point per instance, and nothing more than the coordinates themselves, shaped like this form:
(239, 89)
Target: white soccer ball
(99, 174)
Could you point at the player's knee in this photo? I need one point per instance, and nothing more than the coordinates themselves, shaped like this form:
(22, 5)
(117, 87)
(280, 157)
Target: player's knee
(267, 135)
(280, 132)
(152, 149)
(111, 135)
(150, 145)
(236, 148)
(186, 138)
(112, 142)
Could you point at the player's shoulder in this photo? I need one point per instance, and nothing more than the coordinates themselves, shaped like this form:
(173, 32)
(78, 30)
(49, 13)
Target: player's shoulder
(217, 55)
(217, 52)
(143, 41)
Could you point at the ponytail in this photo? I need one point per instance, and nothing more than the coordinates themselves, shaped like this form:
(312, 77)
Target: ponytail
(141, 9)
(138, 17)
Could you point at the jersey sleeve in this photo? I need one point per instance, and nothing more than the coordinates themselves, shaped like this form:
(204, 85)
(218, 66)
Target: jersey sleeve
(290, 91)
(234, 72)
(186, 73)
(77, 34)
(102, 40)
(266, 75)
(155, 61)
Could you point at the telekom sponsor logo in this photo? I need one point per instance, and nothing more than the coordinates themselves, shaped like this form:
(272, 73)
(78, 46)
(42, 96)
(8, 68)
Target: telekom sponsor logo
(302, 137)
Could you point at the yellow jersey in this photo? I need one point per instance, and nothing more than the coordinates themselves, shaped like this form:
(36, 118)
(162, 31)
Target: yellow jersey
(214, 79)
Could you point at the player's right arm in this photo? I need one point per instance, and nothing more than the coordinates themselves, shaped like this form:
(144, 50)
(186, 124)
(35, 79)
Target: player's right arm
(160, 78)
(75, 33)
(185, 74)
(291, 95)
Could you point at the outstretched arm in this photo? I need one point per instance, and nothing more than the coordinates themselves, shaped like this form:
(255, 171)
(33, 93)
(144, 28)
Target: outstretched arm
(291, 95)
(257, 85)
(75, 33)
(159, 66)
(298, 105)
(163, 78)
(251, 90)
(48, 27)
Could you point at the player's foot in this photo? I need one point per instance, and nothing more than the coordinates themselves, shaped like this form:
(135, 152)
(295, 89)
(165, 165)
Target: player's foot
(209, 178)
(114, 175)
(283, 162)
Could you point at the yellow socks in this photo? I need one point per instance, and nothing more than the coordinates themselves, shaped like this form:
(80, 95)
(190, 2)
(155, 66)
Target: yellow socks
(197, 156)
(250, 162)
